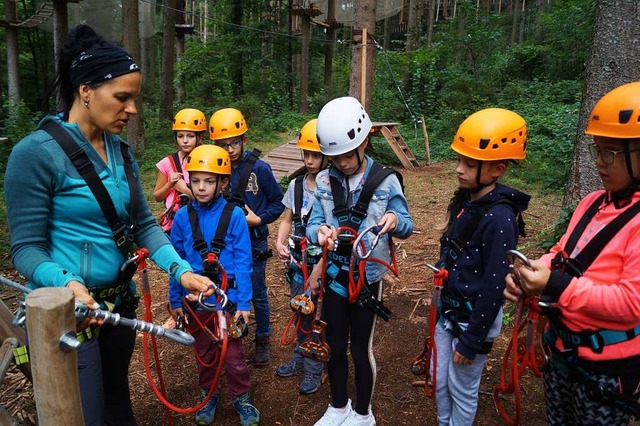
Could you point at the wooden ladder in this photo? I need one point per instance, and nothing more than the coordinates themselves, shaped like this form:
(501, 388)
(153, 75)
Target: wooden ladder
(399, 146)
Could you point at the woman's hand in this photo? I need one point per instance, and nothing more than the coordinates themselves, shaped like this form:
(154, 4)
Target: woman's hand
(512, 291)
(176, 313)
(197, 283)
(388, 222)
(327, 235)
(81, 294)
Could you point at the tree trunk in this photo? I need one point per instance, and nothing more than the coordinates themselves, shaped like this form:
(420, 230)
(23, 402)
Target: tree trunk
(413, 34)
(60, 30)
(517, 5)
(331, 43)
(304, 64)
(13, 79)
(237, 76)
(432, 10)
(614, 60)
(168, 57)
(365, 18)
(131, 43)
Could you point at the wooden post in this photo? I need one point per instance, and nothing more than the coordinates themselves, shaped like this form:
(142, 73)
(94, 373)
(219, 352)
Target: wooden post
(50, 315)
(363, 83)
(426, 141)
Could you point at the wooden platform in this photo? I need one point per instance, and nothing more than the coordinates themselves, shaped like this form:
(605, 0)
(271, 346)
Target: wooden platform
(286, 160)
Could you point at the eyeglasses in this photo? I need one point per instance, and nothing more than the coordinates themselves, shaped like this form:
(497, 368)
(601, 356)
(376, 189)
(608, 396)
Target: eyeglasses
(233, 144)
(608, 155)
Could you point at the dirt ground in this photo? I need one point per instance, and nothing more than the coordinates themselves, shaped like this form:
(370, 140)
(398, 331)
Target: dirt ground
(397, 342)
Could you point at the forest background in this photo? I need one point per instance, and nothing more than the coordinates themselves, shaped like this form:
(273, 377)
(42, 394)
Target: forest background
(437, 59)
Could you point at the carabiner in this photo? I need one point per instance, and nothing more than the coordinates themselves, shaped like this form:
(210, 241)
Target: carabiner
(213, 307)
(356, 244)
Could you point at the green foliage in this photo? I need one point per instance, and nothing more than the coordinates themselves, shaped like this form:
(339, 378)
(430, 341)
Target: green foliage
(17, 120)
(552, 236)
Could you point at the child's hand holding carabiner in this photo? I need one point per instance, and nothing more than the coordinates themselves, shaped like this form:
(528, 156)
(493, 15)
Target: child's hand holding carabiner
(388, 222)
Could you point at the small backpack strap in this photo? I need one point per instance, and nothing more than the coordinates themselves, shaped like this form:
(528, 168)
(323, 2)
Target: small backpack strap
(237, 196)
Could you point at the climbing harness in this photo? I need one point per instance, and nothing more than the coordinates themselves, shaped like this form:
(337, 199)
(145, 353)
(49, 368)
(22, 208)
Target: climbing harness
(301, 304)
(166, 218)
(526, 349)
(428, 359)
(237, 196)
(123, 234)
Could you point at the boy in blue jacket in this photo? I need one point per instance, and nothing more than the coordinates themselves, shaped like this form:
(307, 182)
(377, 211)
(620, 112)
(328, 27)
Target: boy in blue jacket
(209, 168)
(254, 188)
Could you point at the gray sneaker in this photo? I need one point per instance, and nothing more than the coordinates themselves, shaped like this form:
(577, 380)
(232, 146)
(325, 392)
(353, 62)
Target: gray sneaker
(290, 368)
(310, 383)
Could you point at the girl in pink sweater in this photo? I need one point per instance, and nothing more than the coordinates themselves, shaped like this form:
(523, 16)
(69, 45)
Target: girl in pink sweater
(591, 280)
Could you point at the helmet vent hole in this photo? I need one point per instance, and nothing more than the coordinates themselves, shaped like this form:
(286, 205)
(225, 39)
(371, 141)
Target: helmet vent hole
(495, 146)
(624, 116)
(351, 134)
(220, 161)
(484, 143)
(513, 140)
(503, 140)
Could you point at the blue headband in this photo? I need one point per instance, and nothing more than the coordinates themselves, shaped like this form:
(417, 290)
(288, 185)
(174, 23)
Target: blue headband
(100, 64)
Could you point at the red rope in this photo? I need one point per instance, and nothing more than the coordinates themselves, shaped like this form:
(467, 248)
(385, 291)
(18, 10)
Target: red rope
(148, 315)
(431, 349)
(289, 336)
(515, 361)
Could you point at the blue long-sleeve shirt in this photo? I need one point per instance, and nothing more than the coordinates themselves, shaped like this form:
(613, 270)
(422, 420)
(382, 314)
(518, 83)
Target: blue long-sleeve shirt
(479, 271)
(262, 195)
(58, 231)
(235, 257)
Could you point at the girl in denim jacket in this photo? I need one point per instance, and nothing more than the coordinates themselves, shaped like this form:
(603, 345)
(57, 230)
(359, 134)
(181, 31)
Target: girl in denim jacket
(343, 133)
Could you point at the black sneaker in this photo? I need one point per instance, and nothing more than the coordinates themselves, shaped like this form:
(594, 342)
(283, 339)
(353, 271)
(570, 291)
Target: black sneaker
(262, 351)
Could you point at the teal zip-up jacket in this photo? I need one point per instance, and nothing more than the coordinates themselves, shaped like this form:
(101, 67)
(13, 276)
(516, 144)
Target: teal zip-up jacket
(58, 231)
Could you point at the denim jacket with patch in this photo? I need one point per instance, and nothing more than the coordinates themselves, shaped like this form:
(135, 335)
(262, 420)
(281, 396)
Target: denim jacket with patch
(388, 197)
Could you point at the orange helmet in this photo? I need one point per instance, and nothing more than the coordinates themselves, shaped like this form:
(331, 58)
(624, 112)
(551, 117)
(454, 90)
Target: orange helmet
(226, 123)
(492, 134)
(190, 119)
(308, 140)
(210, 159)
(617, 114)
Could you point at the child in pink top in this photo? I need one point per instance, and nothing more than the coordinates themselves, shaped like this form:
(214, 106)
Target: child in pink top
(189, 126)
(590, 281)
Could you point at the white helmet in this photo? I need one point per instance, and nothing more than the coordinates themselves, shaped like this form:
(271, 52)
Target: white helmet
(343, 125)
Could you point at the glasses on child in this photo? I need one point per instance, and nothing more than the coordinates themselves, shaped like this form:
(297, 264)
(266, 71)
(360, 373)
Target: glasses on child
(233, 144)
(608, 155)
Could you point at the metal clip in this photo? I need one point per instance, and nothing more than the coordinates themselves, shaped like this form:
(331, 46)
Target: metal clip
(356, 244)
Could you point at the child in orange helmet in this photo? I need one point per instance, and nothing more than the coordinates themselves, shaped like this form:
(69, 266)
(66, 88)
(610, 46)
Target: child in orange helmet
(591, 279)
(189, 127)
(481, 226)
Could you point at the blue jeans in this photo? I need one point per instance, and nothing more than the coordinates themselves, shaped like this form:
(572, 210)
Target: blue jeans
(103, 369)
(260, 298)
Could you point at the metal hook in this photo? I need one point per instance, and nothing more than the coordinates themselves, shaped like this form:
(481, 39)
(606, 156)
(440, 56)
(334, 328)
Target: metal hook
(356, 244)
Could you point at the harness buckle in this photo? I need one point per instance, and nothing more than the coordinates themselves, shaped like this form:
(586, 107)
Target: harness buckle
(201, 247)
(118, 234)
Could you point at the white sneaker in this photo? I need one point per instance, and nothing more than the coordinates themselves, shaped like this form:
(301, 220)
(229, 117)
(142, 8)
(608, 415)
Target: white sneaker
(356, 419)
(335, 416)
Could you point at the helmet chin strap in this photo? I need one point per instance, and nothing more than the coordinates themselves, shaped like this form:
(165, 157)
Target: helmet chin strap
(479, 185)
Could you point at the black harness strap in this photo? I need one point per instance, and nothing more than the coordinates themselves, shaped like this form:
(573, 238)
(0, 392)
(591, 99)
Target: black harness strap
(595, 339)
(175, 161)
(237, 196)
(217, 242)
(352, 216)
(122, 235)
(299, 221)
